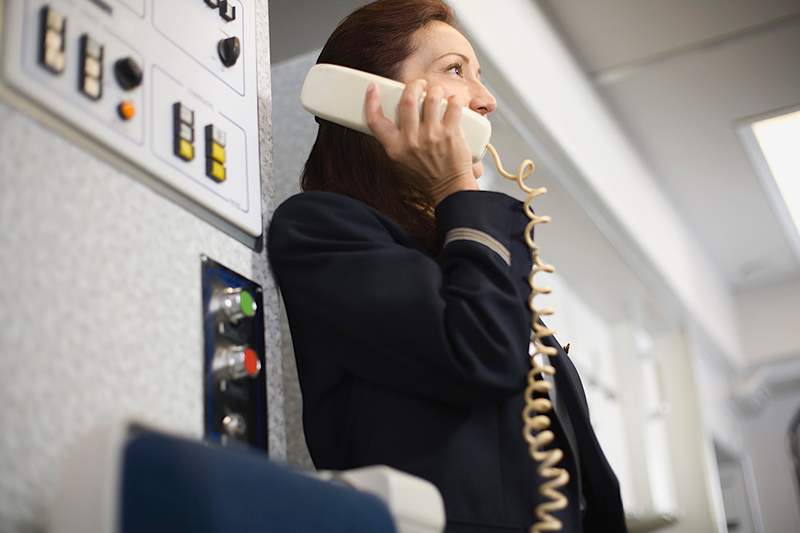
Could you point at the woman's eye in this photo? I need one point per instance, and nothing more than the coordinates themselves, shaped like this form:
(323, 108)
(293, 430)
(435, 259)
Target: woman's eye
(458, 68)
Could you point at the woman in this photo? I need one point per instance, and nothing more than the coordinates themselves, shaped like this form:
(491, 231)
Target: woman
(406, 288)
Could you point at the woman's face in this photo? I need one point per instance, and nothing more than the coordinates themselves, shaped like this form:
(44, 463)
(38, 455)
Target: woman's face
(444, 57)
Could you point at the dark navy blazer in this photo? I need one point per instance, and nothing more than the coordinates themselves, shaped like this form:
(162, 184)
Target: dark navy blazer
(420, 362)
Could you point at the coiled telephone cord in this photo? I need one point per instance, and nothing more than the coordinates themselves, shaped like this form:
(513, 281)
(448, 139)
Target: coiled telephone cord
(536, 422)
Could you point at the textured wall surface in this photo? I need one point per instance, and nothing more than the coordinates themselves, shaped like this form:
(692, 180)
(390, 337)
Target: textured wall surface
(294, 131)
(100, 303)
(294, 128)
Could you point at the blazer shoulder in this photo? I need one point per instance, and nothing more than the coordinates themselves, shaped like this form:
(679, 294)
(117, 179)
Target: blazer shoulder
(313, 200)
(325, 215)
(321, 205)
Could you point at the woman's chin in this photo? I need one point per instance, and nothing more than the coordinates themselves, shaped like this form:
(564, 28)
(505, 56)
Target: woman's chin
(477, 169)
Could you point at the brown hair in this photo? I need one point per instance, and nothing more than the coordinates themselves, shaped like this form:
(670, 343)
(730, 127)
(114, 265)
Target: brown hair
(375, 38)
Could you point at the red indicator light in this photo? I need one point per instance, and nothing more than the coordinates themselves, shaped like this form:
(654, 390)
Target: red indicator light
(251, 363)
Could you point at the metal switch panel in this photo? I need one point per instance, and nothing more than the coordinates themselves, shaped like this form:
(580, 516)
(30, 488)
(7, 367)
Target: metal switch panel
(234, 370)
(115, 72)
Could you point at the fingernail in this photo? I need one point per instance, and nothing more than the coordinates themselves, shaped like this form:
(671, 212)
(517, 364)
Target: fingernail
(371, 88)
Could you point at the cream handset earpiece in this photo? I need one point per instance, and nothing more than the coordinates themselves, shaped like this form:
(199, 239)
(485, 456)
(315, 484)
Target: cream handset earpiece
(337, 94)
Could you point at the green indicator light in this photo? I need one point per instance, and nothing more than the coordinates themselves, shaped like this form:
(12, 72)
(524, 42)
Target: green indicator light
(246, 304)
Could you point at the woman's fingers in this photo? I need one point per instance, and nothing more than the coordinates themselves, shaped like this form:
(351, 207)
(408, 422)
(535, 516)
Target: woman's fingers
(383, 128)
(452, 115)
(430, 111)
(408, 111)
(431, 146)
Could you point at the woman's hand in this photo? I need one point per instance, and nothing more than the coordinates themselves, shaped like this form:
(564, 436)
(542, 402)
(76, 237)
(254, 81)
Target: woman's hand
(433, 148)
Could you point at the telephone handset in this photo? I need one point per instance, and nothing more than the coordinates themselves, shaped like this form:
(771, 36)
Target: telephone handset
(336, 93)
(323, 95)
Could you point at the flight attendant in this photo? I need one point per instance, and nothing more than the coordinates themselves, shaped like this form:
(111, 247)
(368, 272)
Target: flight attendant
(406, 293)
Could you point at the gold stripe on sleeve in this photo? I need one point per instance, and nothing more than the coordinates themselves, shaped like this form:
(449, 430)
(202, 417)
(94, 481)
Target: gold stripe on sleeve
(471, 234)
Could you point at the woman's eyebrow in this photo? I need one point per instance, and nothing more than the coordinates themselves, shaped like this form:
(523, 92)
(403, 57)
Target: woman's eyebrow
(465, 58)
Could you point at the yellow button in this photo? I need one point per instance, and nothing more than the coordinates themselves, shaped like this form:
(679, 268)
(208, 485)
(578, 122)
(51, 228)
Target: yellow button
(126, 110)
(215, 170)
(216, 152)
(185, 150)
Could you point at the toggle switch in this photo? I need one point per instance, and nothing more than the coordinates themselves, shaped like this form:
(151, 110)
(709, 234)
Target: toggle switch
(227, 10)
(53, 20)
(215, 153)
(91, 73)
(234, 425)
(183, 131)
(229, 50)
(128, 73)
(235, 362)
(216, 170)
(52, 40)
(183, 149)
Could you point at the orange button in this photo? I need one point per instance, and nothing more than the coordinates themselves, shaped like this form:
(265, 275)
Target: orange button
(126, 110)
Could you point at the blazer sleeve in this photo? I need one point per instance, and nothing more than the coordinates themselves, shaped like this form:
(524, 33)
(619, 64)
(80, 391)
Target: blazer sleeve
(455, 328)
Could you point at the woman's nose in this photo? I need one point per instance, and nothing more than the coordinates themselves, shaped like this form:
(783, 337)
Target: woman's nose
(482, 101)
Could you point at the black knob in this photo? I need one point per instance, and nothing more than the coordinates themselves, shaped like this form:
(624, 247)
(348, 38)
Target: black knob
(128, 73)
(229, 50)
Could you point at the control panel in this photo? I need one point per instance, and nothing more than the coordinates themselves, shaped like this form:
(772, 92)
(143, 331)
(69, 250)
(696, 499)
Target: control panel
(169, 86)
(234, 373)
